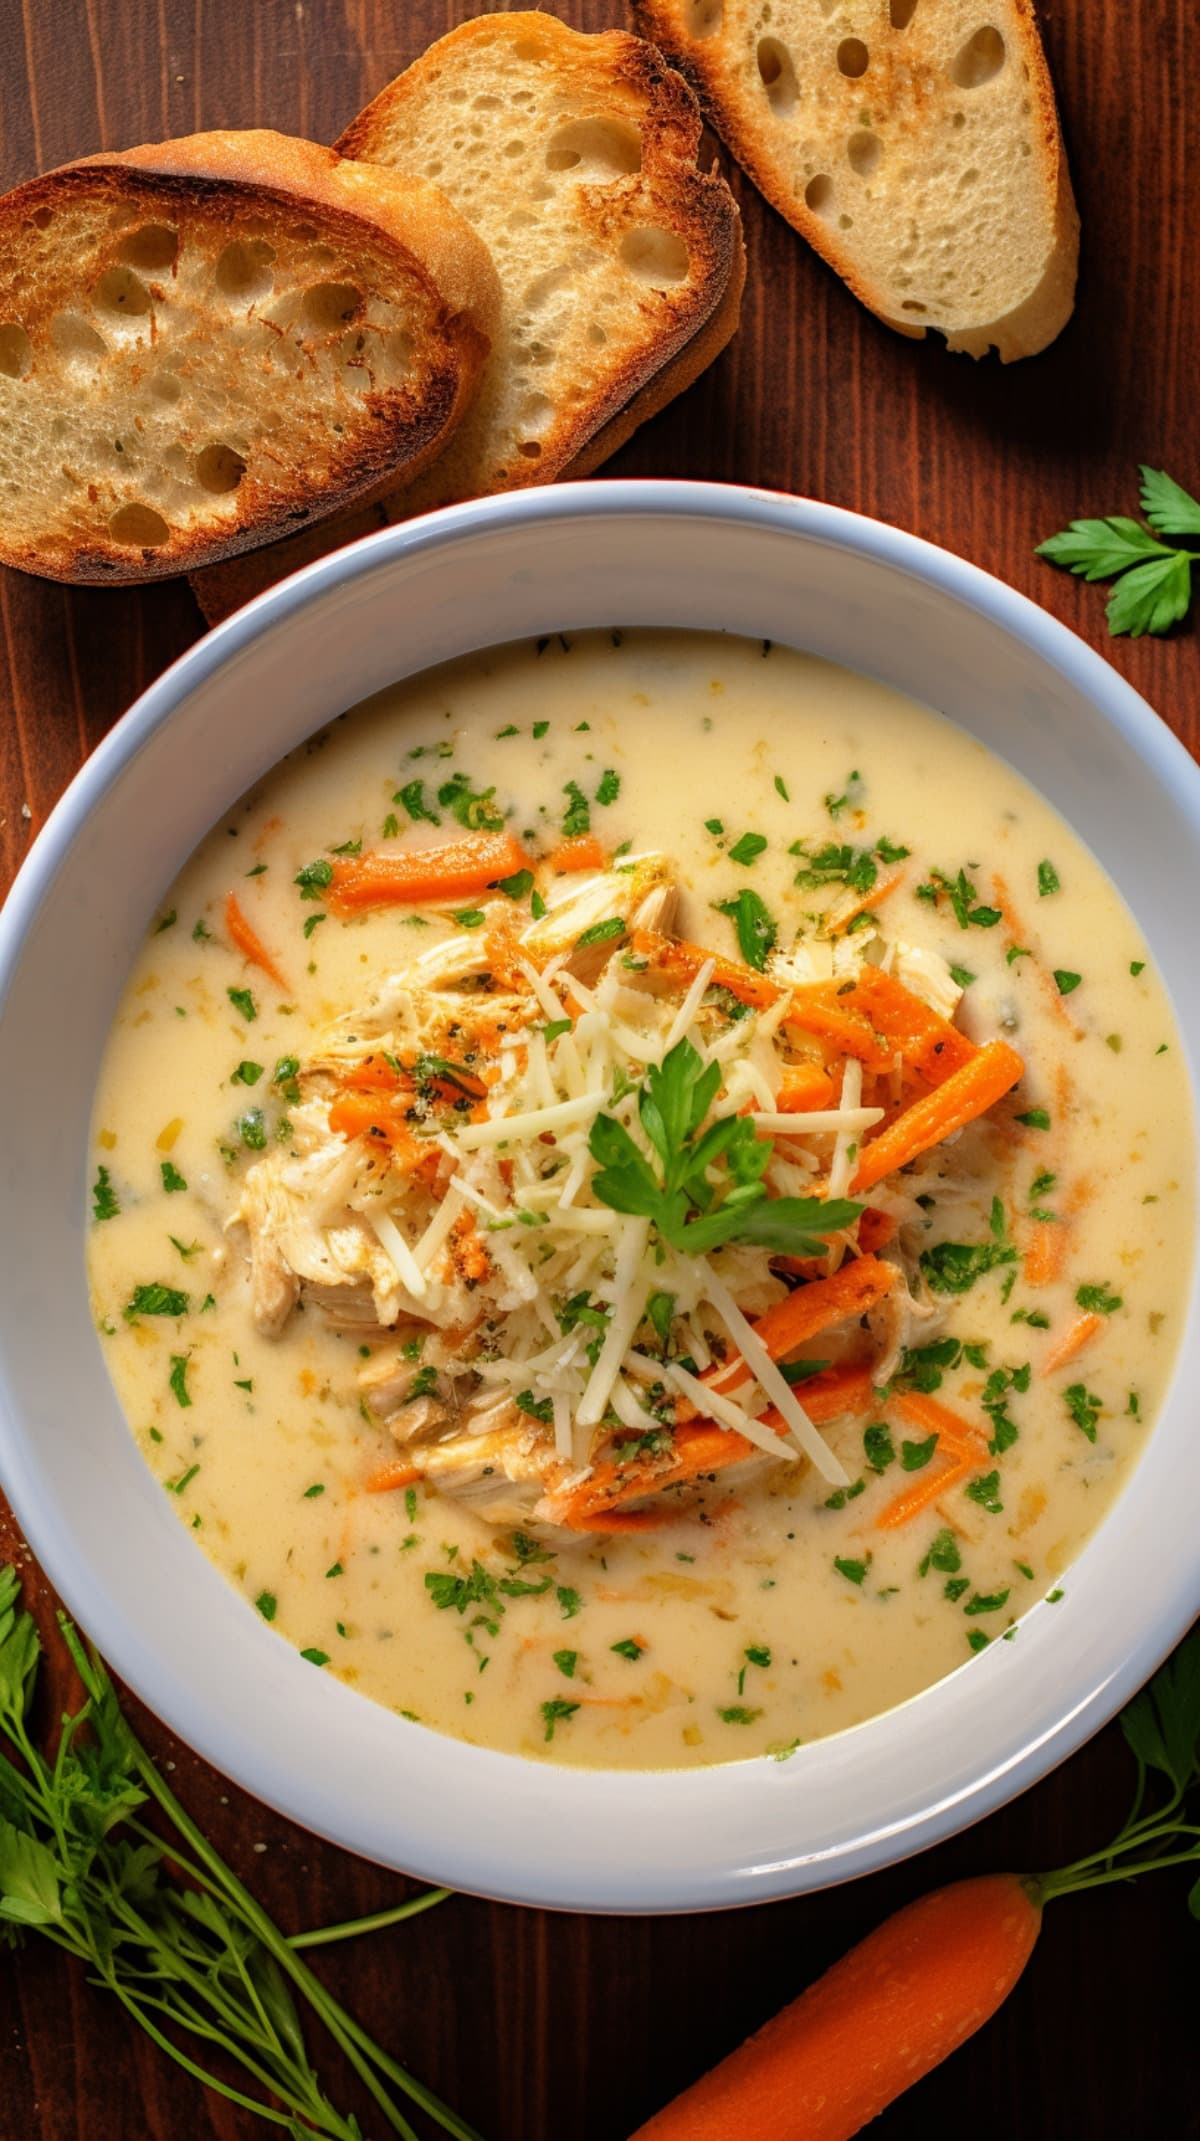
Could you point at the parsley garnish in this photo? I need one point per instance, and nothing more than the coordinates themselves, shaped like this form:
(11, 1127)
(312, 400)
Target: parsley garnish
(834, 865)
(673, 1101)
(246, 1074)
(986, 1492)
(569, 1601)
(737, 1714)
(155, 1300)
(915, 1455)
(878, 1447)
(1084, 1407)
(943, 1555)
(628, 1647)
(1035, 1119)
(105, 1203)
(556, 1712)
(242, 1001)
(963, 897)
(172, 1180)
(516, 886)
(412, 796)
(578, 816)
(952, 1267)
(313, 878)
(266, 1604)
(178, 1378)
(986, 1602)
(757, 933)
(610, 786)
(473, 807)
(747, 849)
(252, 1129)
(602, 932)
(1098, 1299)
(1065, 980)
(1154, 579)
(1048, 879)
(541, 1409)
(853, 1571)
(566, 1661)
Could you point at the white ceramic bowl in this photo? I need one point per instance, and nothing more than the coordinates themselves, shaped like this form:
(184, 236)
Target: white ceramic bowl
(591, 554)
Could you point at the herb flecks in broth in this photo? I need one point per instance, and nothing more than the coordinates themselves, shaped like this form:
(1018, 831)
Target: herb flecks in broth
(631, 1174)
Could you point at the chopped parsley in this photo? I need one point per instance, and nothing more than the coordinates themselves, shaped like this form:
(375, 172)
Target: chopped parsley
(266, 1603)
(610, 786)
(986, 1491)
(314, 878)
(1065, 981)
(737, 1714)
(1098, 1300)
(566, 1661)
(628, 1647)
(953, 1267)
(172, 1180)
(252, 1129)
(155, 1300)
(853, 1571)
(748, 849)
(1047, 879)
(556, 1712)
(105, 1202)
(412, 797)
(602, 932)
(915, 1455)
(963, 897)
(313, 1656)
(178, 1379)
(242, 1001)
(943, 1555)
(1035, 1119)
(569, 1601)
(757, 933)
(473, 807)
(247, 1073)
(540, 1409)
(516, 886)
(578, 817)
(878, 1447)
(1084, 1407)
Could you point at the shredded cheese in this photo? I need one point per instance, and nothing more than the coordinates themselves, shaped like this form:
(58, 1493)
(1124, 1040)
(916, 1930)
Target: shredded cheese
(767, 1375)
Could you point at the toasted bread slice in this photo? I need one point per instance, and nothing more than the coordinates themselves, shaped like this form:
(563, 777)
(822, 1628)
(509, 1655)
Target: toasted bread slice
(208, 342)
(574, 157)
(621, 263)
(914, 143)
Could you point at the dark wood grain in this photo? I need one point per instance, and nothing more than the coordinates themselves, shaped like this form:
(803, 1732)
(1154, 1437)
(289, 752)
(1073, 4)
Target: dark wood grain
(564, 2027)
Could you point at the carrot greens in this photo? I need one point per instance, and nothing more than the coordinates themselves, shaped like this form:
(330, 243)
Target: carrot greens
(157, 1916)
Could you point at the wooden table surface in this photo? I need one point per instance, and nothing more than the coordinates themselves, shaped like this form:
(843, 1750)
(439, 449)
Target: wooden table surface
(539, 2026)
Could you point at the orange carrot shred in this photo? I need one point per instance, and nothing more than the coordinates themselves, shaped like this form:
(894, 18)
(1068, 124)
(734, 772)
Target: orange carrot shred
(397, 1472)
(584, 852)
(958, 1441)
(1072, 1343)
(249, 943)
(459, 870)
(966, 1094)
(682, 961)
(808, 1311)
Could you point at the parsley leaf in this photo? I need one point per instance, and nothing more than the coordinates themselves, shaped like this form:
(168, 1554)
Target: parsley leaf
(556, 1712)
(952, 1267)
(1084, 1407)
(747, 849)
(578, 817)
(172, 1180)
(242, 1001)
(473, 807)
(105, 1203)
(610, 786)
(673, 1101)
(1098, 1300)
(155, 1300)
(1154, 579)
(412, 796)
(757, 933)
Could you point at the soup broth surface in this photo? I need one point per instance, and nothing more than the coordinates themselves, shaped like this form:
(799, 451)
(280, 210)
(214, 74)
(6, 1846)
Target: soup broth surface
(767, 1616)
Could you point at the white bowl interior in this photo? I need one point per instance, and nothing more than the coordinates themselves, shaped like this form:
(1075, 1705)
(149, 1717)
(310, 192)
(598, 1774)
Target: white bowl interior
(593, 554)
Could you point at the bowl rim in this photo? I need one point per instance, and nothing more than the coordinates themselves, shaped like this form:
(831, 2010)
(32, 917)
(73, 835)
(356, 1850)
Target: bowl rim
(198, 1722)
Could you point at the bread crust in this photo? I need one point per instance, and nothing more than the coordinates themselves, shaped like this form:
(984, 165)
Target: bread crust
(216, 188)
(1027, 328)
(696, 205)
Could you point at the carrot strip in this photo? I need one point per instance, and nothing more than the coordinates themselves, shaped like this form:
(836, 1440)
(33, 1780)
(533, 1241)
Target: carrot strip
(397, 1472)
(887, 2013)
(682, 961)
(804, 1086)
(808, 1311)
(458, 870)
(1043, 1259)
(926, 1040)
(1072, 1343)
(957, 1439)
(584, 852)
(822, 1009)
(248, 942)
(700, 1446)
(967, 1093)
(875, 1231)
(867, 904)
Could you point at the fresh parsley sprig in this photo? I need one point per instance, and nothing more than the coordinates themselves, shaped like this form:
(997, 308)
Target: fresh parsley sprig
(688, 1213)
(1154, 589)
(160, 1920)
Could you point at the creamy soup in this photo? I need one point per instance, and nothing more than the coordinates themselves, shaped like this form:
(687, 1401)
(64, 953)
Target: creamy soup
(689, 1267)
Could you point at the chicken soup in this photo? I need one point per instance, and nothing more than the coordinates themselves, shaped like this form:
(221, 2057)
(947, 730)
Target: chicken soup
(643, 1199)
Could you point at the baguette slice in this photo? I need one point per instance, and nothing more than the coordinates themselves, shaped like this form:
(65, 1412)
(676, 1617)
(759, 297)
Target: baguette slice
(209, 342)
(621, 263)
(914, 143)
(574, 157)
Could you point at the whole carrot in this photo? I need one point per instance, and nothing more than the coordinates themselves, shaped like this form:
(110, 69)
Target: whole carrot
(929, 1977)
(892, 2009)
